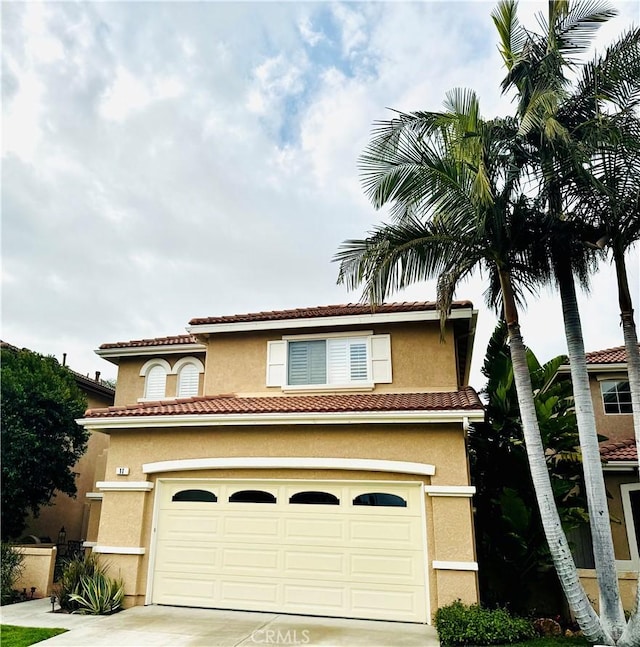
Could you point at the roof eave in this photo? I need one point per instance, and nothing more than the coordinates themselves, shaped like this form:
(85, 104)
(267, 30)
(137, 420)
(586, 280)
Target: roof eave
(329, 322)
(115, 423)
(115, 354)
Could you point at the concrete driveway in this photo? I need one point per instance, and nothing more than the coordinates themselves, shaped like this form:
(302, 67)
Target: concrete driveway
(156, 626)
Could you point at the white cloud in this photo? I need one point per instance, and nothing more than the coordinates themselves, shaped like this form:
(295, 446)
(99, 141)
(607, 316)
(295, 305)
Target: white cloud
(147, 172)
(129, 94)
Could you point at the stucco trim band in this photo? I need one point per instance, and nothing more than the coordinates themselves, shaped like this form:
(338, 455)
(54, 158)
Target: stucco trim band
(89, 544)
(454, 566)
(125, 486)
(620, 466)
(300, 418)
(120, 550)
(260, 462)
(450, 490)
(94, 495)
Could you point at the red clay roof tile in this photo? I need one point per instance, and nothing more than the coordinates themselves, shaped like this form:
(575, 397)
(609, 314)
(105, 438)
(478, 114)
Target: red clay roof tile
(617, 355)
(157, 341)
(464, 399)
(623, 450)
(326, 311)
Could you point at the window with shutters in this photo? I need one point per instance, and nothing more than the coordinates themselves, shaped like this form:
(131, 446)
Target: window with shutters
(328, 361)
(339, 361)
(188, 380)
(155, 379)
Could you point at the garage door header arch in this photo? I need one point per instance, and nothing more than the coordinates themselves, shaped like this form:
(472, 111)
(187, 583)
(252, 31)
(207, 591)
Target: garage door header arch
(260, 462)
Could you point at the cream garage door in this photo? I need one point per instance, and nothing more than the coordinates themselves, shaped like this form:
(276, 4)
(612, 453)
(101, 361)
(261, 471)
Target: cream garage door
(331, 548)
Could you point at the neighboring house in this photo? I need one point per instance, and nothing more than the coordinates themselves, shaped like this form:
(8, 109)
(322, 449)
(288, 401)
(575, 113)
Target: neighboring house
(66, 521)
(611, 397)
(300, 461)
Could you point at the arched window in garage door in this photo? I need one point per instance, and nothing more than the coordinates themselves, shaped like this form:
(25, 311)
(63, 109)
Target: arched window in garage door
(380, 499)
(252, 496)
(314, 498)
(195, 495)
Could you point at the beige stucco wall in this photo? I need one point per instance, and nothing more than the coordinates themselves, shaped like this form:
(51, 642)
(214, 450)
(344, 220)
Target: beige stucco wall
(38, 567)
(627, 581)
(617, 426)
(126, 517)
(131, 384)
(237, 363)
(613, 481)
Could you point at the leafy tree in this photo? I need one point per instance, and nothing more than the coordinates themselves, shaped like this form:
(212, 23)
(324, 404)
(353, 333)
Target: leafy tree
(41, 441)
(513, 557)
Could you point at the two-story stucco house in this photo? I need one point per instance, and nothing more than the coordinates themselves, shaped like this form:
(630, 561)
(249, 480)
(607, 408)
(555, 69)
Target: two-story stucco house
(611, 396)
(306, 461)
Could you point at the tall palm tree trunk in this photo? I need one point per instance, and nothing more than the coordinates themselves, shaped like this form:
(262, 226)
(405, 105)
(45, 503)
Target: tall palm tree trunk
(556, 539)
(631, 635)
(611, 611)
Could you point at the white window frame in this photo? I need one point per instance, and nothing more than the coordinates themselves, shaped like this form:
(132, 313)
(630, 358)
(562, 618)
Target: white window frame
(278, 362)
(625, 490)
(177, 370)
(604, 404)
(144, 372)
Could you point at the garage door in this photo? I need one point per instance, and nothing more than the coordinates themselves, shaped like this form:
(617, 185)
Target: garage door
(332, 548)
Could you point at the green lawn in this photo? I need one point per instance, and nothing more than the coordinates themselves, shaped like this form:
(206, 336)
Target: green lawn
(11, 636)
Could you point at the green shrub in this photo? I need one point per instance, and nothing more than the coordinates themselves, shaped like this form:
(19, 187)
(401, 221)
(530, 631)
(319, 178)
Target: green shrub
(11, 566)
(70, 581)
(98, 595)
(460, 624)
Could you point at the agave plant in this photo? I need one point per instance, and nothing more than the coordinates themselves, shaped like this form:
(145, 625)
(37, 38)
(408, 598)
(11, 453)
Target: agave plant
(98, 595)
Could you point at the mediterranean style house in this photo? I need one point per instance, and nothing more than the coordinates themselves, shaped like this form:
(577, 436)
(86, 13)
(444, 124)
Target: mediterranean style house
(611, 398)
(307, 461)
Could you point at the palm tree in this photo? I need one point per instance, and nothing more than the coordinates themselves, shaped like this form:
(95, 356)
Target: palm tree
(454, 183)
(564, 129)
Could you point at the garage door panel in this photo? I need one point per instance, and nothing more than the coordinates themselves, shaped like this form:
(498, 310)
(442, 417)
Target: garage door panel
(404, 603)
(336, 560)
(316, 599)
(310, 563)
(251, 561)
(309, 529)
(385, 568)
(179, 557)
(245, 592)
(247, 528)
(189, 525)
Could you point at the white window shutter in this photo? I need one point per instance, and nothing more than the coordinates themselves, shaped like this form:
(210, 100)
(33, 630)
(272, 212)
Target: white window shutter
(188, 381)
(155, 383)
(276, 363)
(381, 359)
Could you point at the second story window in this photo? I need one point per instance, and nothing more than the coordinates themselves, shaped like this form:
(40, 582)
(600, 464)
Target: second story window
(328, 361)
(155, 379)
(188, 379)
(616, 396)
(334, 361)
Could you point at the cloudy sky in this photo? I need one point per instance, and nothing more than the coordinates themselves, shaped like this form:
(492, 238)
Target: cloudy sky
(167, 160)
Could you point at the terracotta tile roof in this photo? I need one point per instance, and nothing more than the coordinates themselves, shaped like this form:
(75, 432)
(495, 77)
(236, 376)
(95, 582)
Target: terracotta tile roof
(464, 399)
(326, 311)
(157, 341)
(616, 355)
(623, 450)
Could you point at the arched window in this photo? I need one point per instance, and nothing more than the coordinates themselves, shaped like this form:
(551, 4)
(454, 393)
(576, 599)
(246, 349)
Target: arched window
(380, 499)
(252, 496)
(188, 370)
(195, 495)
(314, 498)
(155, 383)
